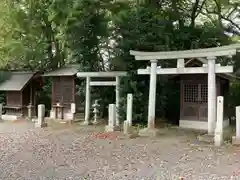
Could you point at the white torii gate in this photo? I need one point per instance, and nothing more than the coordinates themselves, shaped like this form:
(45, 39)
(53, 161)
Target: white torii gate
(210, 54)
(89, 83)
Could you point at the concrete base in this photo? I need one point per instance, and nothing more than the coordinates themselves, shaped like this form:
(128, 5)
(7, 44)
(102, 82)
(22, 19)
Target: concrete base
(96, 122)
(206, 138)
(199, 125)
(149, 132)
(235, 140)
(40, 125)
(7, 117)
(66, 115)
(85, 123)
(218, 139)
(111, 129)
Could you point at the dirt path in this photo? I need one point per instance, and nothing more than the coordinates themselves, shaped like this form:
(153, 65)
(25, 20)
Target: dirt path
(28, 153)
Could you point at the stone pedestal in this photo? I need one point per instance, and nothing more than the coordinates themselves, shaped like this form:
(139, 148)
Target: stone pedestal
(111, 119)
(235, 140)
(41, 115)
(126, 127)
(149, 132)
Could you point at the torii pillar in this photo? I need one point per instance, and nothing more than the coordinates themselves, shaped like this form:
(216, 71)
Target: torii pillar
(211, 94)
(152, 95)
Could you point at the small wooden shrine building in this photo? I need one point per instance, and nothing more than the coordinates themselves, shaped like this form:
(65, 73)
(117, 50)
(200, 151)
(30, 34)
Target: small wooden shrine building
(201, 82)
(194, 96)
(63, 91)
(20, 90)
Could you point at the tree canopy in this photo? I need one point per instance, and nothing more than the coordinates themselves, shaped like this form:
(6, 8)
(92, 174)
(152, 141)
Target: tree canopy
(98, 34)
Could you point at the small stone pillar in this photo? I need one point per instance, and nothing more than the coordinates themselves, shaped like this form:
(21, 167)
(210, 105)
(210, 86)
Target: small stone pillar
(127, 125)
(111, 118)
(59, 111)
(29, 111)
(96, 111)
(218, 137)
(41, 115)
(236, 139)
(73, 110)
(1, 109)
(129, 108)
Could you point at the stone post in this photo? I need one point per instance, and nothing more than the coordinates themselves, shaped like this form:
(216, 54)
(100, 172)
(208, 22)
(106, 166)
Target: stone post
(152, 95)
(87, 101)
(111, 118)
(29, 111)
(126, 127)
(218, 138)
(41, 115)
(117, 99)
(236, 139)
(129, 108)
(1, 109)
(211, 94)
(73, 110)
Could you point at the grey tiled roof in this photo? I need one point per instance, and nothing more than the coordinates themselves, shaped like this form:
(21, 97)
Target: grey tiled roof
(17, 81)
(66, 71)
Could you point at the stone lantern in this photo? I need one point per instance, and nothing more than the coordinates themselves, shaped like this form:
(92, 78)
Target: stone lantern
(96, 107)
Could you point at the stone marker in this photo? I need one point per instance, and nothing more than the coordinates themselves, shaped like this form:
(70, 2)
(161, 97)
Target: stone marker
(73, 110)
(236, 139)
(111, 118)
(126, 127)
(218, 137)
(29, 111)
(129, 108)
(1, 107)
(41, 115)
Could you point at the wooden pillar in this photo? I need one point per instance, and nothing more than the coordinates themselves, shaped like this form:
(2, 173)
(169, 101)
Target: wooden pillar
(152, 95)
(211, 94)
(117, 100)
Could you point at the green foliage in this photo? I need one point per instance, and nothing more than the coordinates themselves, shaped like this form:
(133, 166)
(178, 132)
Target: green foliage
(98, 34)
(86, 27)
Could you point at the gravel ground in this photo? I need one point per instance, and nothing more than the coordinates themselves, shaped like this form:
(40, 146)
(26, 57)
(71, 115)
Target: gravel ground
(61, 154)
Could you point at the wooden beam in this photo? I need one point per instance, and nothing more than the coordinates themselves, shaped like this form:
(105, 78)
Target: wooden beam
(191, 70)
(195, 53)
(103, 83)
(102, 74)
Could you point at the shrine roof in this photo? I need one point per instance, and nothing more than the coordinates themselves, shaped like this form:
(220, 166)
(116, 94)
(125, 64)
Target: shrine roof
(69, 70)
(16, 81)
